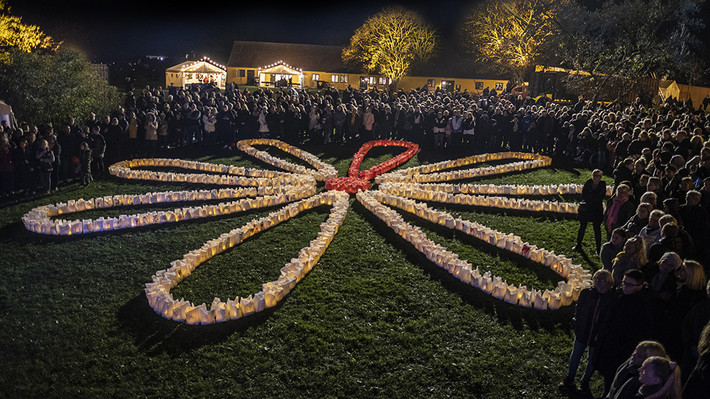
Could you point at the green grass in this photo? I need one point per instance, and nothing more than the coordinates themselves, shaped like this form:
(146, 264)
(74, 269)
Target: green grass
(373, 319)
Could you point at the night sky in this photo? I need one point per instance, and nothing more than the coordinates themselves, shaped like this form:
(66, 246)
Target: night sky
(129, 29)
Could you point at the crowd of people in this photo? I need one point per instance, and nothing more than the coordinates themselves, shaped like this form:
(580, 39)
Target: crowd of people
(650, 302)
(153, 121)
(655, 263)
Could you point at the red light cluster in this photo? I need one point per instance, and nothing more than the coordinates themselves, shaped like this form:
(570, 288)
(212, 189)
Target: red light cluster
(348, 184)
(357, 180)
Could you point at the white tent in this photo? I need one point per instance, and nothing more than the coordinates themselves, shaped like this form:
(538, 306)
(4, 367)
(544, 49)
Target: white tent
(192, 72)
(7, 115)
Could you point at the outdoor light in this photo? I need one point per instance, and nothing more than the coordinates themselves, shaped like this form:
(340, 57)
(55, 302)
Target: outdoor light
(561, 296)
(258, 189)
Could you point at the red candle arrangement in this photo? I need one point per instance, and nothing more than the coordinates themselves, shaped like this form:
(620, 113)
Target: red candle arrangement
(357, 180)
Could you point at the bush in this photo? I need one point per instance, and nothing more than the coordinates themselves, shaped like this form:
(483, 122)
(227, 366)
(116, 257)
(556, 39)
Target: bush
(49, 87)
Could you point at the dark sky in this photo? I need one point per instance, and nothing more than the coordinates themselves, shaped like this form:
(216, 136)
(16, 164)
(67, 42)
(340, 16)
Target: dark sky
(128, 29)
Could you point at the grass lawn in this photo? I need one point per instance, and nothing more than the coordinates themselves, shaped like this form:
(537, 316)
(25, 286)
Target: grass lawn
(374, 318)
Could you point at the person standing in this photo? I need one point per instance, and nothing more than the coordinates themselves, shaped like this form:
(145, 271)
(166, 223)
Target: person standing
(439, 130)
(591, 209)
(131, 148)
(630, 322)
(151, 134)
(368, 123)
(98, 151)
(85, 163)
(590, 318)
(45, 166)
(56, 148)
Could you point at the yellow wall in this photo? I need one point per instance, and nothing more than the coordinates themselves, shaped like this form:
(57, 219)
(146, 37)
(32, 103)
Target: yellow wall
(413, 82)
(309, 82)
(233, 75)
(407, 83)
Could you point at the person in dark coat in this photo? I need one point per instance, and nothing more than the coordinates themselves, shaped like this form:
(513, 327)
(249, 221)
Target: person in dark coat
(623, 171)
(45, 165)
(696, 222)
(626, 380)
(612, 248)
(7, 168)
(620, 208)
(630, 322)
(56, 148)
(659, 378)
(85, 163)
(21, 159)
(640, 220)
(98, 151)
(698, 384)
(691, 330)
(592, 209)
(591, 316)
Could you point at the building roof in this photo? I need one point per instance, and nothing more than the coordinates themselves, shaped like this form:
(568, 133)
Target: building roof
(201, 66)
(309, 57)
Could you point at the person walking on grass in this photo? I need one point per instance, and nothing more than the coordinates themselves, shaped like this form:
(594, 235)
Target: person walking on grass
(591, 209)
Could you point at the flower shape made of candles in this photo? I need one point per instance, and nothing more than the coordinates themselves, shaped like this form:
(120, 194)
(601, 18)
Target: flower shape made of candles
(297, 191)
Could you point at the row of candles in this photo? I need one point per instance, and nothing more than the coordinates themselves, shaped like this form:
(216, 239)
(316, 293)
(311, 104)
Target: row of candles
(524, 204)
(463, 173)
(564, 294)
(426, 173)
(235, 175)
(322, 171)
(505, 189)
(158, 290)
(472, 160)
(39, 219)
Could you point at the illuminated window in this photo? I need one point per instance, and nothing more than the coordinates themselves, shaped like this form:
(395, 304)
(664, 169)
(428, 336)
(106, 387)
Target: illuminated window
(344, 78)
(430, 82)
(315, 76)
(499, 86)
(383, 81)
(334, 78)
(479, 85)
(242, 73)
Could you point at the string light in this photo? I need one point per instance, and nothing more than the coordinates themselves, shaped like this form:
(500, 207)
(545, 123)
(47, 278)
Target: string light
(203, 61)
(280, 62)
